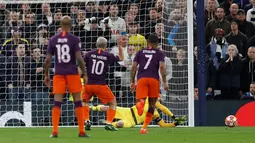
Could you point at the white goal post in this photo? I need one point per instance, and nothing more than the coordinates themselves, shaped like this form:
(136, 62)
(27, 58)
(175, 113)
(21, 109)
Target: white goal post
(28, 103)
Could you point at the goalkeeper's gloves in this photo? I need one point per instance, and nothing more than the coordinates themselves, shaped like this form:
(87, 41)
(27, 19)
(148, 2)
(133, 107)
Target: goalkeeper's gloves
(93, 108)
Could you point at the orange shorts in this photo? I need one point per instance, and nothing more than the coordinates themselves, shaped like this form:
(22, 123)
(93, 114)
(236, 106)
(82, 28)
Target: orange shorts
(61, 82)
(147, 87)
(103, 92)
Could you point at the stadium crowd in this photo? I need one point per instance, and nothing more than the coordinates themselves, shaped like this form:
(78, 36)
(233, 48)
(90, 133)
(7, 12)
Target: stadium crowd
(230, 33)
(26, 29)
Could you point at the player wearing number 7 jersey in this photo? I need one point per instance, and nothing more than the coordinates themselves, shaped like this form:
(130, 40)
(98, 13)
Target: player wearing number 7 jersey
(97, 64)
(150, 60)
(66, 49)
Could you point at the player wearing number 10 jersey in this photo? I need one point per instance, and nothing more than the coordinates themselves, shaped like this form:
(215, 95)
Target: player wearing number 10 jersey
(150, 60)
(97, 64)
(66, 49)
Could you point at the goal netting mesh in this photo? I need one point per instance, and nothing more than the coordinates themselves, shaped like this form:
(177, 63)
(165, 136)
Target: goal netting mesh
(26, 26)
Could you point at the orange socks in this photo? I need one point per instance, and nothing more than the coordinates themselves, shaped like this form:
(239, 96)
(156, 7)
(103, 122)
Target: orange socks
(110, 115)
(148, 117)
(56, 111)
(86, 112)
(80, 116)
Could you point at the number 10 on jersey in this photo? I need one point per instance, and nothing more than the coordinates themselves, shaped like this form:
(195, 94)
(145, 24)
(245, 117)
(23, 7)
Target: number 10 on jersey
(97, 67)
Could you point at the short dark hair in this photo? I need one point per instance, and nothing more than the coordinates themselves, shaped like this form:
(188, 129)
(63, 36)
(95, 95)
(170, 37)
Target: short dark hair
(221, 7)
(34, 47)
(20, 43)
(133, 4)
(153, 39)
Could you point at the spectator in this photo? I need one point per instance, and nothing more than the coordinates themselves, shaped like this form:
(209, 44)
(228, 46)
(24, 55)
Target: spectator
(59, 30)
(56, 22)
(74, 11)
(129, 54)
(233, 12)
(249, 95)
(251, 13)
(116, 24)
(159, 4)
(159, 28)
(25, 9)
(42, 37)
(176, 29)
(196, 93)
(79, 27)
(248, 6)
(117, 71)
(210, 73)
(29, 26)
(218, 22)
(120, 76)
(152, 21)
(226, 5)
(103, 11)
(17, 76)
(135, 38)
(92, 34)
(3, 13)
(46, 17)
(242, 3)
(248, 69)
(217, 48)
(10, 23)
(210, 10)
(182, 5)
(8, 48)
(237, 38)
(206, 1)
(123, 6)
(133, 11)
(129, 18)
(230, 69)
(244, 26)
(143, 8)
(90, 9)
(169, 75)
(251, 42)
(179, 82)
(35, 64)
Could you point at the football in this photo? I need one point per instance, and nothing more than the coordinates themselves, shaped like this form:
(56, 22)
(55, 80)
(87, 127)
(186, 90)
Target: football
(231, 121)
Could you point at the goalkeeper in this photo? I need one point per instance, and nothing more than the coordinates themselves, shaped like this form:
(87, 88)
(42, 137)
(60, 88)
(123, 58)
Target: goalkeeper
(128, 117)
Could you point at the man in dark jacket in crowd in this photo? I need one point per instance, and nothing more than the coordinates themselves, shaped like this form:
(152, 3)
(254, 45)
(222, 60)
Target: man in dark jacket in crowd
(248, 70)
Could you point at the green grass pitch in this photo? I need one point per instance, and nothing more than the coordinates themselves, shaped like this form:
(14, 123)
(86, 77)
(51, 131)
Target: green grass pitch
(156, 135)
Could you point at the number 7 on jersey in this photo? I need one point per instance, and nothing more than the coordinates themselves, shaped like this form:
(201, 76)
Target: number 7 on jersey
(148, 61)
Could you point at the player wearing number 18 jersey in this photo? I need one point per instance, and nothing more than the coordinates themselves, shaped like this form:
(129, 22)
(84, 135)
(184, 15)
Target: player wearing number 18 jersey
(150, 60)
(66, 49)
(97, 64)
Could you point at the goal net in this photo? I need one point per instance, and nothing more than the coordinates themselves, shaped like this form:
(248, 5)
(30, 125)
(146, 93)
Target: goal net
(26, 26)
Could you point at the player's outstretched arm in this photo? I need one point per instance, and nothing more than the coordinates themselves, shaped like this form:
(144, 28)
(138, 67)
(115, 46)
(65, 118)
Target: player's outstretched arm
(163, 124)
(120, 48)
(46, 68)
(101, 108)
